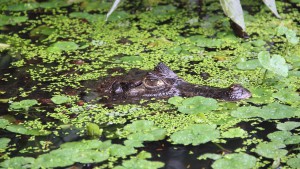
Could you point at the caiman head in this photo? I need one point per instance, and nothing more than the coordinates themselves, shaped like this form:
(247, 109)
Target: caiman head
(159, 83)
(162, 83)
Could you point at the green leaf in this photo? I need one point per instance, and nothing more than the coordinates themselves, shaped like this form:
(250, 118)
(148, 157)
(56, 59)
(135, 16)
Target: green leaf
(289, 125)
(12, 20)
(287, 96)
(235, 161)
(3, 123)
(196, 134)
(271, 111)
(89, 17)
(279, 136)
(139, 162)
(131, 59)
(144, 130)
(210, 156)
(3, 144)
(246, 112)
(234, 132)
(63, 46)
(276, 64)
(271, 150)
(198, 104)
(134, 143)
(87, 144)
(136, 163)
(60, 99)
(278, 111)
(291, 36)
(293, 140)
(17, 162)
(294, 162)
(176, 100)
(121, 151)
(23, 130)
(261, 95)
(281, 30)
(93, 130)
(23, 6)
(86, 151)
(248, 65)
(22, 105)
(53, 4)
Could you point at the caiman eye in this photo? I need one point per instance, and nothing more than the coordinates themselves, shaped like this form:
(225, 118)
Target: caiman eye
(153, 83)
(117, 88)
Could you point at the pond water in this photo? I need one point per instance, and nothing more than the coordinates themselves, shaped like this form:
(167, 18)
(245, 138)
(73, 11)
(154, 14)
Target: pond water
(53, 54)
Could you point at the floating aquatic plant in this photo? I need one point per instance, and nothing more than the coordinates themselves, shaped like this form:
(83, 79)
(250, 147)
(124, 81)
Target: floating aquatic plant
(196, 134)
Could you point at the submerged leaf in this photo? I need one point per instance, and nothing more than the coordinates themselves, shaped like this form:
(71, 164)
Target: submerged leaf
(196, 134)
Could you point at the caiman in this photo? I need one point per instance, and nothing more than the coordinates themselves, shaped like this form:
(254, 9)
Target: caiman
(161, 83)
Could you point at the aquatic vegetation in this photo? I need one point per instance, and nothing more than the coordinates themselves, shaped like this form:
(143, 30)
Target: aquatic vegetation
(22, 105)
(235, 160)
(276, 64)
(289, 125)
(142, 130)
(195, 134)
(194, 105)
(60, 99)
(53, 52)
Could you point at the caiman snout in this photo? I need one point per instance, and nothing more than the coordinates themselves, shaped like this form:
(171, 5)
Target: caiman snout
(238, 92)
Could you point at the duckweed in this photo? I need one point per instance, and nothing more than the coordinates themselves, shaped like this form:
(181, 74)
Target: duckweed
(54, 47)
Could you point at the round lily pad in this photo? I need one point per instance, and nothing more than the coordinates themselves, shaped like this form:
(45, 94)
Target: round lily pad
(198, 104)
(196, 134)
(235, 161)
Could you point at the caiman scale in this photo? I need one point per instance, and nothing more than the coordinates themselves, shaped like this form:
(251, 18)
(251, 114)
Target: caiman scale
(161, 83)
